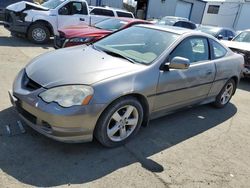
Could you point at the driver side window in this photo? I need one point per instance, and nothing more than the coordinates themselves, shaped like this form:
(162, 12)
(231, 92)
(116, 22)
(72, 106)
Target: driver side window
(73, 8)
(194, 49)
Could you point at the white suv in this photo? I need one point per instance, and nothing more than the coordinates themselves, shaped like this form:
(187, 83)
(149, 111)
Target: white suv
(111, 12)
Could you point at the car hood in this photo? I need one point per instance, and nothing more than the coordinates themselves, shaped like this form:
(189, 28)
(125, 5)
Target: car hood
(76, 65)
(82, 31)
(237, 45)
(24, 5)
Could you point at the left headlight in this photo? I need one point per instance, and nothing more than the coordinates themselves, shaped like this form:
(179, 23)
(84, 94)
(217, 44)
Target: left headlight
(67, 96)
(81, 39)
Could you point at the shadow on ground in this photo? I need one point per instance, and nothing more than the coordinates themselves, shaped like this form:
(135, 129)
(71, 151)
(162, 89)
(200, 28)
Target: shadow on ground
(21, 42)
(36, 160)
(244, 84)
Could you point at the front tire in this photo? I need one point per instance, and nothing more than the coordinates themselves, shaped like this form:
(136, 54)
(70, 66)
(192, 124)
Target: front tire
(119, 122)
(225, 94)
(38, 33)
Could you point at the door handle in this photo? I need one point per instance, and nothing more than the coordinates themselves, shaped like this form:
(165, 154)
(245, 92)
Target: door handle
(82, 19)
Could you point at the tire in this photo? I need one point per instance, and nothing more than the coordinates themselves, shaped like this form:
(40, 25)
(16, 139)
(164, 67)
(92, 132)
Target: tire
(116, 119)
(224, 98)
(38, 33)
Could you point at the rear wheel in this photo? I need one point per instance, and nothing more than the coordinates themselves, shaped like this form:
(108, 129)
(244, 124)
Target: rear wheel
(225, 94)
(120, 121)
(38, 33)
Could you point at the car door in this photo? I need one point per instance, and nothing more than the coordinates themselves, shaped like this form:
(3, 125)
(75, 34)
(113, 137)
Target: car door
(72, 13)
(177, 88)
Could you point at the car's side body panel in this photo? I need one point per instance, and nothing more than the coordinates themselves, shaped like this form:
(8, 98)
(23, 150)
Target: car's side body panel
(178, 87)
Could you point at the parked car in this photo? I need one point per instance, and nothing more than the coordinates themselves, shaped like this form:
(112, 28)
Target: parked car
(111, 88)
(177, 21)
(111, 12)
(220, 33)
(4, 4)
(40, 22)
(241, 44)
(82, 34)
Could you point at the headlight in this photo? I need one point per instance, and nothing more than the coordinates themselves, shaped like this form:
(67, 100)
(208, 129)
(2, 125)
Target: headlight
(81, 40)
(67, 96)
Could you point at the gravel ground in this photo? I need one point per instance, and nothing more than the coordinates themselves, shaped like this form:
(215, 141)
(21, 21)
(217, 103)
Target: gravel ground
(199, 147)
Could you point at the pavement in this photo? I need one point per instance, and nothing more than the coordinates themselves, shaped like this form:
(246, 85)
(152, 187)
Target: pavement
(198, 147)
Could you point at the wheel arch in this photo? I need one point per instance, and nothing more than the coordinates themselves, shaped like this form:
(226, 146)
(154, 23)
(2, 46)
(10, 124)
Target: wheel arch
(46, 23)
(236, 80)
(141, 98)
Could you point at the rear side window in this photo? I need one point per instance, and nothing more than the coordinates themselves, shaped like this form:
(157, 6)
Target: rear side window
(188, 25)
(124, 14)
(185, 25)
(102, 12)
(178, 24)
(96, 11)
(218, 50)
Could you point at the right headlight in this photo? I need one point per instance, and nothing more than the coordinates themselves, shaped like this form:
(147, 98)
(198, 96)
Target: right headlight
(67, 96)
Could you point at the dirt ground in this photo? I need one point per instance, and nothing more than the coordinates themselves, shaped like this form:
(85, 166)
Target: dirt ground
(199, 147)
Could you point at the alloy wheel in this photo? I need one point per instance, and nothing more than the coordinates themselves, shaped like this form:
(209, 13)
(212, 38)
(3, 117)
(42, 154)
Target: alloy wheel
(228, 91)
(122, 123)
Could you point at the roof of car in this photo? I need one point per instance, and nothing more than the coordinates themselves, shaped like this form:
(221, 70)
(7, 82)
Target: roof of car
(172, 29)
(176, 18)
(129, 19)
(111, 8)
(214, 27)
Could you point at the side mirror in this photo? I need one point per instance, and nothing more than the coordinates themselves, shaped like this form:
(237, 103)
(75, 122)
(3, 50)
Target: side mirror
(230, 38)
(220, 37)
(63, 11)
(179, 63)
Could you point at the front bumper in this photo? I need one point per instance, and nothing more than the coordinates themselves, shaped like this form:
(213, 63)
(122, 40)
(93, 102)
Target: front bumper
(71, 125)
(59, 42)
(14, 24)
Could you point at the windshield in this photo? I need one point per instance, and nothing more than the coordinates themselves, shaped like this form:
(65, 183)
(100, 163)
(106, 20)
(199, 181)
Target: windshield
(111, 24)
(209, 30)
(142, 45)
(52, 4)
(243, 37)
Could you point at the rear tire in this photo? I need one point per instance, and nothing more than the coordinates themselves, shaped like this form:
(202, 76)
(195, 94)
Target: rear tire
(225, 95)
(38, 33)
(119, 122)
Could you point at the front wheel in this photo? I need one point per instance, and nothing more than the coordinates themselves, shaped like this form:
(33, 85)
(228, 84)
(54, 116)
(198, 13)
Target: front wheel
(119, 122)
(38, 33)
(225, 94)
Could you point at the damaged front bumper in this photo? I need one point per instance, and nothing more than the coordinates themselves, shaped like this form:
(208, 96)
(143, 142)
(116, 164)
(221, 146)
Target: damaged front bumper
(15, 23)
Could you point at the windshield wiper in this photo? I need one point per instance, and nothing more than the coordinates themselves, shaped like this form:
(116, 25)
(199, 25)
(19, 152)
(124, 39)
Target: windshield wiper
(115, 54)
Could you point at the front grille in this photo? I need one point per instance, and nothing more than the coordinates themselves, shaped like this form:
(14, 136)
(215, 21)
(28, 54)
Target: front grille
(25, 113)
(29, 84)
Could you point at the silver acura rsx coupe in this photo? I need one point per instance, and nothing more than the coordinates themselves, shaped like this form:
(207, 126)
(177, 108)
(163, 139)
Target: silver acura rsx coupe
(109, 89)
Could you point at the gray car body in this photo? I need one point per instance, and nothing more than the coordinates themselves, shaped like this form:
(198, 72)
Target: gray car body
(161, 92)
